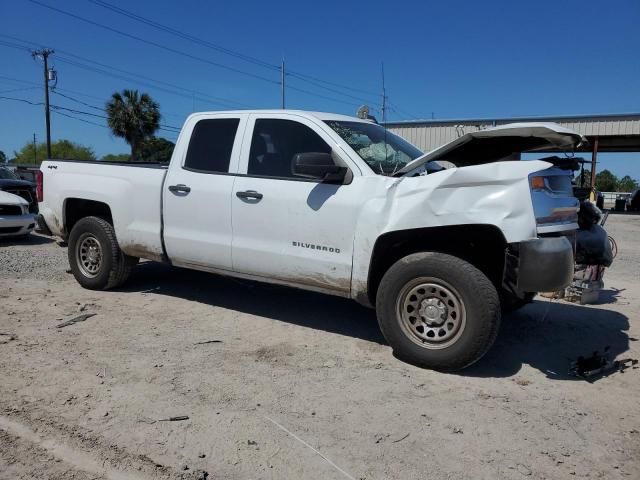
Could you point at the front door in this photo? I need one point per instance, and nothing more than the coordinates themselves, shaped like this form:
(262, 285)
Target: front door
(286, 227)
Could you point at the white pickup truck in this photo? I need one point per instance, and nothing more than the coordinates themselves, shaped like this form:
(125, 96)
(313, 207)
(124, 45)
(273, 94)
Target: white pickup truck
(339, 205)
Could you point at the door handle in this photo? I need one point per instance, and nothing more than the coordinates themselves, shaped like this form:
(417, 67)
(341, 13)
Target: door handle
(179, 188)
(249, 195)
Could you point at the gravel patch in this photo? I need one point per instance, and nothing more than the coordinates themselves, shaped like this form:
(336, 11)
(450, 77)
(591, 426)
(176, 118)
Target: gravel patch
(36, 256)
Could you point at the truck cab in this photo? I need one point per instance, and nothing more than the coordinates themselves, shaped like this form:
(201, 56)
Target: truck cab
(438, 243)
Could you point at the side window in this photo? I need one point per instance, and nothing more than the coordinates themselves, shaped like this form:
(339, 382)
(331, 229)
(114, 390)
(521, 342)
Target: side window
(274, 144)
(211, 144)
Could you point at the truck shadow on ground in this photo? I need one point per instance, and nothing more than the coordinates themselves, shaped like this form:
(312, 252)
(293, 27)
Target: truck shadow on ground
(546, 335)
(298, 307)
(549, 336)
(31, 239)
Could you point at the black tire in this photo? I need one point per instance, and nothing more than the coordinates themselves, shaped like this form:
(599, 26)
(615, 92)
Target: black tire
(473, 308)
(112, 266)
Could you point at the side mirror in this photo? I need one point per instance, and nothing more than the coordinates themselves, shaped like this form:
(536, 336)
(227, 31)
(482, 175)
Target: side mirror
(319, 166)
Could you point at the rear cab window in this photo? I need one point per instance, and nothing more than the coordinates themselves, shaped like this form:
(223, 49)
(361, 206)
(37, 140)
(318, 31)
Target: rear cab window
(211, 145)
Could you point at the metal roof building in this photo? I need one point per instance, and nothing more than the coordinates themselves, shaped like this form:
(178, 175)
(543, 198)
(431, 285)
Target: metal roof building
(605, 132)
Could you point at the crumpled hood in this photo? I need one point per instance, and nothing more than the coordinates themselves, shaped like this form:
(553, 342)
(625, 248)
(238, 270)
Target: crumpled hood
(481, 194)
(495, 144)
(7, 198)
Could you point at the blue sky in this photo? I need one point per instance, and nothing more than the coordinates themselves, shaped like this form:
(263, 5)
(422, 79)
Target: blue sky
(449, 59)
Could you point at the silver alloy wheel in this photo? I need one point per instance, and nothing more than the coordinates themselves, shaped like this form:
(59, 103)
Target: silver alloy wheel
(431, 313)
(89, 255)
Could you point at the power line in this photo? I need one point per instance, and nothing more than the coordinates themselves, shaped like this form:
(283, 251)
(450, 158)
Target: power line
(58, 108)
(81, 112)
(204, 97)
(140, 82)
(80, 119)
(187, 36)
(14, 45)
(304, 77)
(23, 100)
(402, 112)
(77, 101)
(155, 44)
(18, 89)
(57, 92)
(178, 52)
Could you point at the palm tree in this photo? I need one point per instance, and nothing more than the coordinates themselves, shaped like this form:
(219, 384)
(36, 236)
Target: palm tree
(133, 117)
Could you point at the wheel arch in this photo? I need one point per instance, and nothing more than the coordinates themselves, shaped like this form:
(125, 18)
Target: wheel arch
(75, 209)
(482, 245)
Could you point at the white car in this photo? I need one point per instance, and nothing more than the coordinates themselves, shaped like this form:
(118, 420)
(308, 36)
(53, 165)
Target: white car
(338, 205)
(15, 219)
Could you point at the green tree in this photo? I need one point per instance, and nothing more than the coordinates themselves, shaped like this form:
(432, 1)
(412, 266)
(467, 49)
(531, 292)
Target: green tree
(3, 157)
(627, 184)
(606, 181)
(134, 117)
(63, 149)
(116, 157)
(156, 150)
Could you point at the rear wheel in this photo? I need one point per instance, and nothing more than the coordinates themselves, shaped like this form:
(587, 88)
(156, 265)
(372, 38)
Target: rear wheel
(438, 311)
(95, 258)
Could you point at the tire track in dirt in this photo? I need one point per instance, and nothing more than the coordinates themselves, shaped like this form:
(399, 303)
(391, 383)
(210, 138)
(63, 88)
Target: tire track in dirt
(74, 457)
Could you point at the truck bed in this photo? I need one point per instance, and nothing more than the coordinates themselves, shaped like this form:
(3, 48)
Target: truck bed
(136, 207)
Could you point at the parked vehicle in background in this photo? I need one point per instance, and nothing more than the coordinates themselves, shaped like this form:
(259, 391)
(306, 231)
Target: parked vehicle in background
(10, 182)
(27, 172)
(339, 205)
(633, 201)
(15, 218)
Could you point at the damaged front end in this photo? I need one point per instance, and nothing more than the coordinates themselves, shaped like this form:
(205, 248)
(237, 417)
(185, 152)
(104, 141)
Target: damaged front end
(544, 259)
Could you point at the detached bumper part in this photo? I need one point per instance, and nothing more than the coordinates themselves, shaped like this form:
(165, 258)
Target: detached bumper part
(546, 264)
(42, 226)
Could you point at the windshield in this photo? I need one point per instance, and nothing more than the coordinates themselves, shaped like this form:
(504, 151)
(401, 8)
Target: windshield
(384, 152)
(6, 174)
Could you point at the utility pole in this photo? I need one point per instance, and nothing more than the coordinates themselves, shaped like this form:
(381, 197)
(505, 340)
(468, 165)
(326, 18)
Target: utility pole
(35, 150)
(384, 98)
(282, 74)
(44, 53)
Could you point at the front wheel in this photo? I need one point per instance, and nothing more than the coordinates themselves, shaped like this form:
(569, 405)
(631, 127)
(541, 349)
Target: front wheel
(438, 311)
(95, 258)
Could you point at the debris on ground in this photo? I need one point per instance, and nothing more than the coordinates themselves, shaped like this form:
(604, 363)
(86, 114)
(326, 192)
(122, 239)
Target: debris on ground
(208, 341)
(7, 337)
(599, 365)
(151, 421)
(400, 439)
(523, 382)
(174, 419)
(79, 318)
(194, 475)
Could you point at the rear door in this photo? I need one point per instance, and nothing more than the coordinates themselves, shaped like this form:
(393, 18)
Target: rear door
(286, 227)
(197, 192)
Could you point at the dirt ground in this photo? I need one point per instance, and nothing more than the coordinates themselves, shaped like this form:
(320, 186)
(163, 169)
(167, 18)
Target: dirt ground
(296, 385)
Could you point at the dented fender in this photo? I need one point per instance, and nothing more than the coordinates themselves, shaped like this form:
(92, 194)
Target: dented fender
(495, 194)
